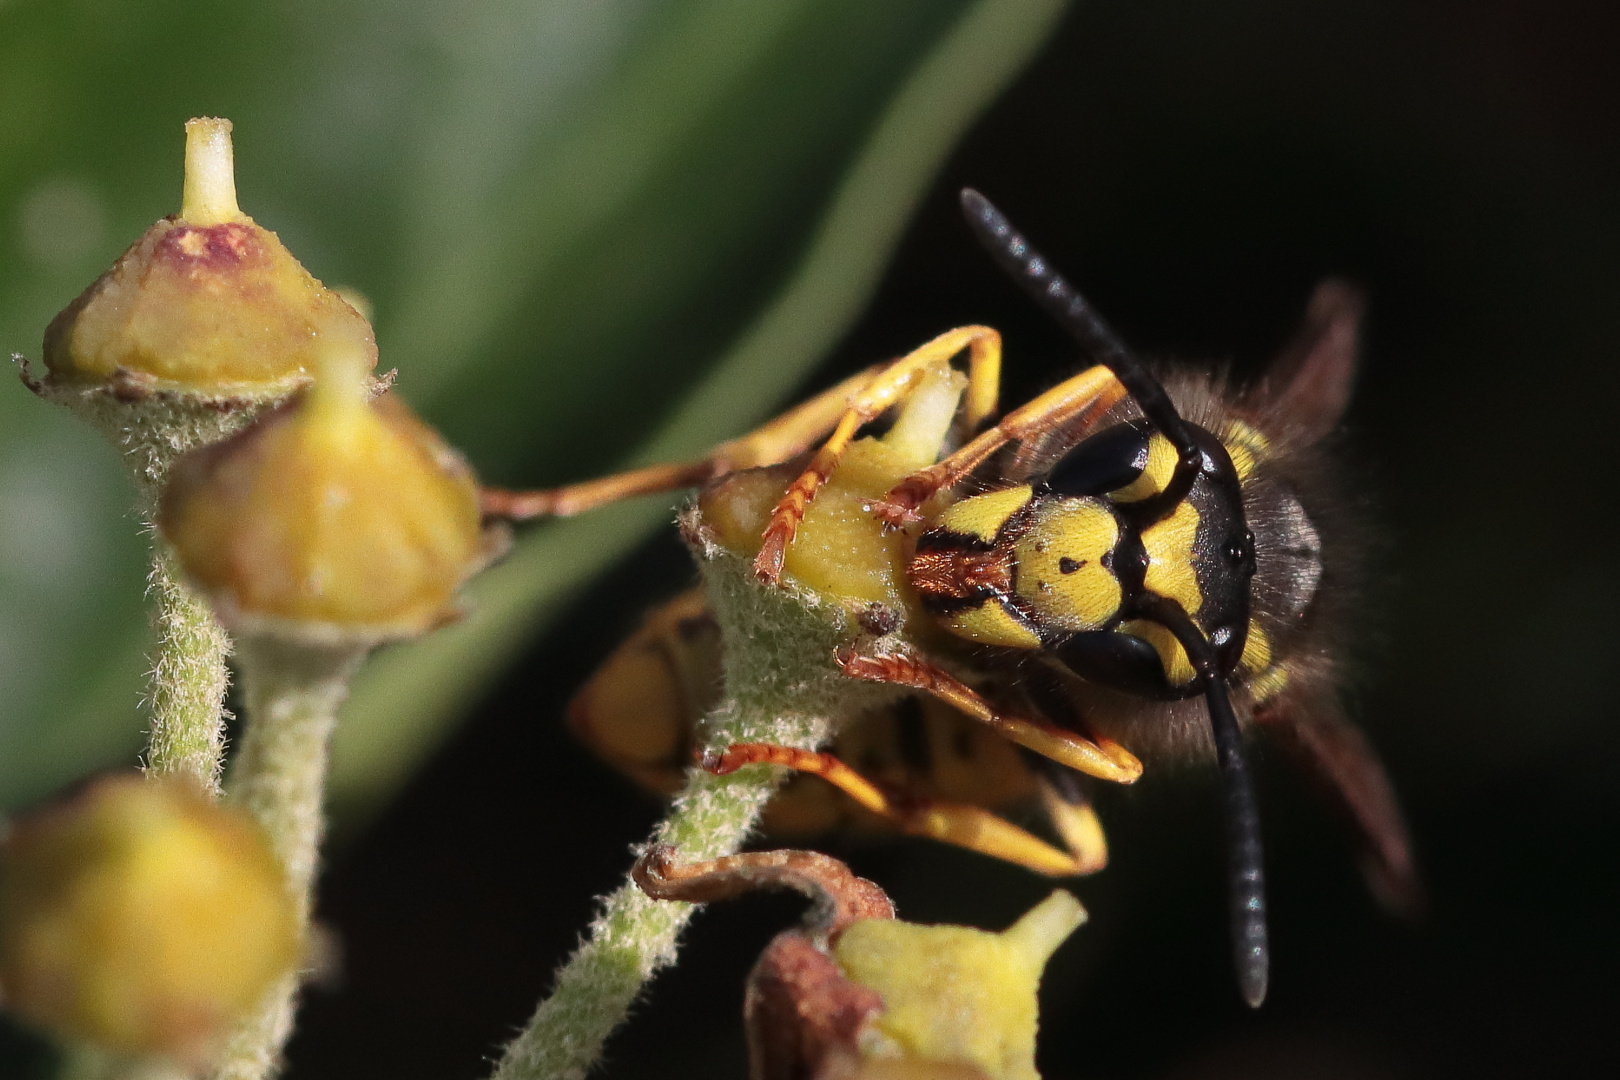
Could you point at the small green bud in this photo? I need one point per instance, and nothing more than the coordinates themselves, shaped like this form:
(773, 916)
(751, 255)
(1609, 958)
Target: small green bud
(336, 519)
(956, 994)
(841, 551)
(141, 917)
(856, 994)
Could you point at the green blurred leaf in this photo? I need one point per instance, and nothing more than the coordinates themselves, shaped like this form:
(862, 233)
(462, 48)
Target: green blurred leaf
(405, 699)
(547, 202)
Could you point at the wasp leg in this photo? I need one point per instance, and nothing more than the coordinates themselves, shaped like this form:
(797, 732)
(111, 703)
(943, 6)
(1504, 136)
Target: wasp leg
(1104, 758)
(881, 392)
(962, 824)
(1077, 826)
(777, 441)
(1093, 391)
(1068, 809)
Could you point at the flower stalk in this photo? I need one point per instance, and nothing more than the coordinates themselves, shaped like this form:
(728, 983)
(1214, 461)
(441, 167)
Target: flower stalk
(204, 323)
(633, 936)
(293, 692)
(186, 687)
(782, 688)
(335, 523)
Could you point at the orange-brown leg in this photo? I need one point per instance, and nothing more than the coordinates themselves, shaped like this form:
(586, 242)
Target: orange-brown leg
(771, 444)
(964, 825)
(1094, 390)
(882, 391)
(1104, 759)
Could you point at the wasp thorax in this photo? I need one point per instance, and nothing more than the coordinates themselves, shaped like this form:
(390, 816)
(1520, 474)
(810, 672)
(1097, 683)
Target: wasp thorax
(336, 518)
(205, 303)
(141, 917)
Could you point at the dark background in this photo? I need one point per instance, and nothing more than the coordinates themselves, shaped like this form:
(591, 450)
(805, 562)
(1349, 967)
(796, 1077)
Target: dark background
(1195, 168)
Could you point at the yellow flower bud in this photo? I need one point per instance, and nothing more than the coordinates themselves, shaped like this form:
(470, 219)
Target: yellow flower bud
(840, 549)
(334, 520)
(205, 303)
(955, 994)
(891, 1000)
(141, 917)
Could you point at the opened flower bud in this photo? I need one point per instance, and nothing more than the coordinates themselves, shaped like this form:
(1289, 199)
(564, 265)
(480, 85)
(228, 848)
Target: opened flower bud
(206, 303)
(953, 993)
(336, 519)
(857, 994)
(141, 917)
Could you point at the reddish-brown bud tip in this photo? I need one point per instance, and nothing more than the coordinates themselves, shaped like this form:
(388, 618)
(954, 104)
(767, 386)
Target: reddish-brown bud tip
(206, 303)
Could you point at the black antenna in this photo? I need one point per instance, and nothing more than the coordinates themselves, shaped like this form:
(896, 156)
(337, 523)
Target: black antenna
(1245, 860)
(1030, 269)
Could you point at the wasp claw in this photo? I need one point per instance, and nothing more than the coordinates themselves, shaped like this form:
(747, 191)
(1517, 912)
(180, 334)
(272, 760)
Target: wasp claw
(851, 662)
(768, 563)
(895, 515)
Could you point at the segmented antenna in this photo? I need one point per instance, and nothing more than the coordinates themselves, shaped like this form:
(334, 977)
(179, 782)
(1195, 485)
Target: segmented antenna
(1245, 862)
(1031, 270)
(1245, 859)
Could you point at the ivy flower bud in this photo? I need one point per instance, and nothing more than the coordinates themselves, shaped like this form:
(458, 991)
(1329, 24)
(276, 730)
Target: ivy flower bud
(956, 994)
(140, 916)
(856, 994)
(335, 520)
(206, 303)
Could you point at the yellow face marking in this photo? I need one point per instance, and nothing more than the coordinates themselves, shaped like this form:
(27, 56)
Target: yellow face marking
(991, 624)
(1245, 446)
(1060, 564)
(1256, 650)
(1161, 466)
(1169, 546)
(1178, 670)
(983, 515)
(1268, 684)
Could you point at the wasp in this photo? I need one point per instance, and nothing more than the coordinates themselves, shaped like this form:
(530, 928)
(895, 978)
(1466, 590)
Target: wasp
(1141, 556)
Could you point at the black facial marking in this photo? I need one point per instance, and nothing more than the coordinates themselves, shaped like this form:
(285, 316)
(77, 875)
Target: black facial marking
(1067, 565)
